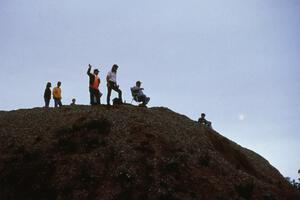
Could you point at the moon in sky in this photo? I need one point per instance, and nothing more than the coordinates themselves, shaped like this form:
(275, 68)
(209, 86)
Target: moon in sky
(241, 117)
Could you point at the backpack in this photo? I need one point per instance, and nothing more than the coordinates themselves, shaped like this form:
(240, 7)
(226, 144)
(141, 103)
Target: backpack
(117, 101)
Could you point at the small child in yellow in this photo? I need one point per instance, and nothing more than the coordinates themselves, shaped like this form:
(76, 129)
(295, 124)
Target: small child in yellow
(57, 95)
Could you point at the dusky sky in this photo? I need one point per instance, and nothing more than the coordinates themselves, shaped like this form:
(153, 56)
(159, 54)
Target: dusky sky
(237, 61)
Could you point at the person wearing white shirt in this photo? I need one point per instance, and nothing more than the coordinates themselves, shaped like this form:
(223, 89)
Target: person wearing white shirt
(111, 79)
(138, 92)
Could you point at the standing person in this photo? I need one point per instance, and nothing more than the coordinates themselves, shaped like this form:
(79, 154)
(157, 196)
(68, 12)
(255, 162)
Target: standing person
(95, 94)
(57, 95)
(138, 94)
(111, 79)
(47, 95)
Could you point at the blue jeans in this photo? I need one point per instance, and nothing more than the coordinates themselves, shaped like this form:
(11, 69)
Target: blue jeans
(144, 99)
(57, 102)
(95, 96)
(113, 86)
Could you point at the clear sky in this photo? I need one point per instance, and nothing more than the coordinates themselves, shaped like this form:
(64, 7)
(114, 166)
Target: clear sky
(237, 61)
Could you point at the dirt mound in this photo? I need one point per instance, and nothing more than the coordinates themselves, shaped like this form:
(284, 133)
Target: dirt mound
(127, 152)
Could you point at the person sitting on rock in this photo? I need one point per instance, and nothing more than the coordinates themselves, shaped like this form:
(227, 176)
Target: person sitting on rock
(138, 95)
(203, 121)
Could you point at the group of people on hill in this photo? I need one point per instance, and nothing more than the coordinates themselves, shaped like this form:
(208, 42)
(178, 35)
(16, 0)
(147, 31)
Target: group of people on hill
(95, 81)
(95, 94)
(56, 95)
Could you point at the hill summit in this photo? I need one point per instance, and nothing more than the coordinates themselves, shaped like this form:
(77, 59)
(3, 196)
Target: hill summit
(126, 152)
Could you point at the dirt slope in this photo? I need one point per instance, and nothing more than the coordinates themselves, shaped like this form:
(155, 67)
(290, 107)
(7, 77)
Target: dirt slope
(124, 153)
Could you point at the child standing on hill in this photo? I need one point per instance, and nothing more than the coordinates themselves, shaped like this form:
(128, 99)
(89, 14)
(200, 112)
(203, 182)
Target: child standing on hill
(57, 95)
(47, 95)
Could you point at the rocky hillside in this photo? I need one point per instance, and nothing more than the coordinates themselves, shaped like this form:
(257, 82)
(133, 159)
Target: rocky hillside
(127, 152)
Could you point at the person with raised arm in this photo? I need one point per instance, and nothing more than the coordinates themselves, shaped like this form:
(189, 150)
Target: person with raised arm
(95, 81)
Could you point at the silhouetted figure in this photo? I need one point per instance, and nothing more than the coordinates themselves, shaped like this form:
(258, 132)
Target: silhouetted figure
(95, 93)
(117, 101)
(57, 95)
(73, 102)
(138, 95)
(111, 79)
(47, 95)
(203, 121)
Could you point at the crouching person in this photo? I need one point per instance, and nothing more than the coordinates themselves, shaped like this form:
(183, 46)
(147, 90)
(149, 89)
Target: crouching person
(138, 94)
(203, 121)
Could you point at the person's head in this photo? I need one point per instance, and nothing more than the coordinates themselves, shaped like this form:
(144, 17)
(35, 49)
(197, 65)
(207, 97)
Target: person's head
(73, 101)
(202, 115)
(58, 84)
(48, 85)
(96, 71)
(138, 83)
(114, 68)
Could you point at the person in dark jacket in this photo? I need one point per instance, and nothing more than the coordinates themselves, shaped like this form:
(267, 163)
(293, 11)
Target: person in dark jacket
(203, 121)
(47, 95)
(95, 93)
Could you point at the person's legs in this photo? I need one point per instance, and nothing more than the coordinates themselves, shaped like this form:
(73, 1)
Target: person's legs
(59, 103)
(55, 102)
(208, 124)
(119, 92)
(47, 102)
(142, 99)
(108, 94)
(147, 100)
(91, 96)
(97, 95)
